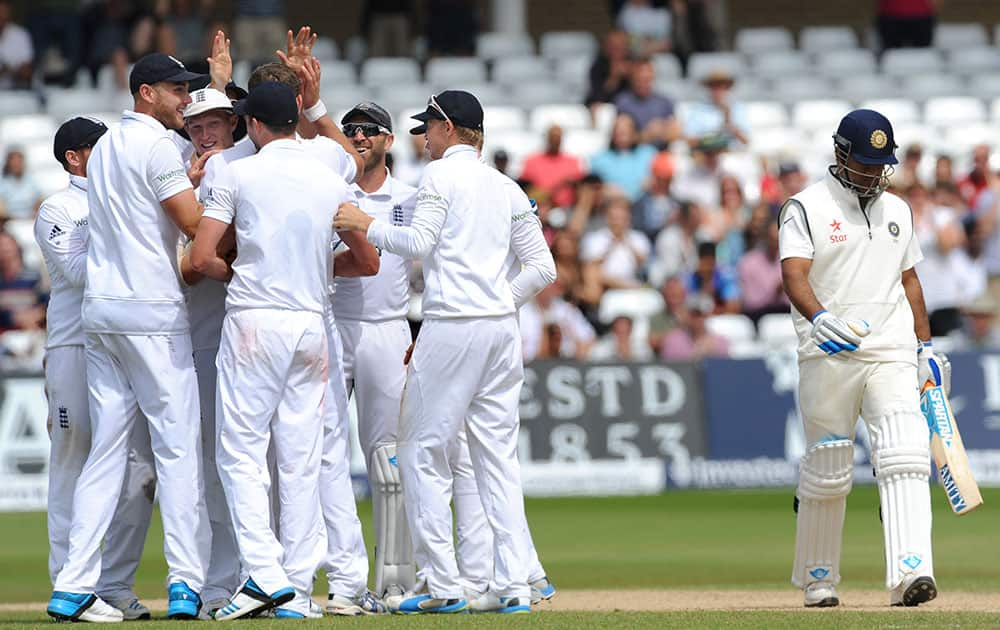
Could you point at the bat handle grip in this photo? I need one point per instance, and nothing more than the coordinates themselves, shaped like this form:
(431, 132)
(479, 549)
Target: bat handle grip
(929, 383)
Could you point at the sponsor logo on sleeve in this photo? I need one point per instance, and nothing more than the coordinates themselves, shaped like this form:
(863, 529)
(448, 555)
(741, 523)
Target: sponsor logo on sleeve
(165, 177)
(56, 232)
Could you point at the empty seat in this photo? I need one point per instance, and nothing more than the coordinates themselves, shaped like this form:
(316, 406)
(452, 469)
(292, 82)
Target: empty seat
(514, 70)
(568, 116)
(517, 143)
(703, 63)
(994, 112)
(910, 133)
(532, 94)
(17, 103)
(341, 72)
(504, 118)
(766, 114)
(777, 329)
(574, 71)
(243, 69)
(846, 62)
(403, 95)
(734, 328)
(667, 66)
(752, 89)
(343, 96)
(820, 114)
(794, 89)
(325, 49)
(751, 41)
(897, 110)
(62, 103)
(50, 180)
(986, 87)
(901, 62)
(866, 87)
(676, 89)
(974, 61)
(924, 86)
(950, 35)
(389, 70)
(777, 141)
(557, 44)
(26, 129)
(453, 72)
(777, 65)
(961, 139)
(827, 39)
(584, 143)
(492, 45)
(38, 155)
(489, 93)
(638, 304)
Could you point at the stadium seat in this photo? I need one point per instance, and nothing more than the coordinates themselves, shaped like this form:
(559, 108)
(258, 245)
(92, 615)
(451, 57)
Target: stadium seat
(638, 304)
(517, 143)
(325, 49)
(974, 61)
(751, 41)
(488, 93)
(24, 129)
(493, 45)
(994, 112)
(846, 62)
(378, 71)
(960, 139)
(863, 87)
(734, 328)
(952, 35)
(504, 119)
(955, 110)
(780, 65)
(986, 87)
(677, 89)
(23, 231)
(794, 89)
(921, 87)
(344, 96)
(749, 88)
(903, 62)
(604, 117)
(700, 64)
(15, 103)
(777, 329)
(574, 71)
(514, 70)
(533, 94)
(568, 116)
(766, 114)
(822, 40)
(746, 167)
(243, 69)
(897, 110)
(819, 114)
(667, 66)
(402, 95)
(62, 103)
(777, 142)
(559, 44)
(910, 133)
(38, 154)
(341, 72)
(454, 72)
(584, 143)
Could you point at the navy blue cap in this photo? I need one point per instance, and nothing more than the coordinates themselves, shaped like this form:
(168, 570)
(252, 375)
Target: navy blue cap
(156, 67)
(867, 137)
(76, 133)
(462, 108)
(270, 102)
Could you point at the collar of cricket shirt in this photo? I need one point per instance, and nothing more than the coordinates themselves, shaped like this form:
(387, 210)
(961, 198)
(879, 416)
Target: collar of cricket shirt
(145, 119)
(385, 190)
(281, 144)
(78, 182)
(840, 193)
(463, 150)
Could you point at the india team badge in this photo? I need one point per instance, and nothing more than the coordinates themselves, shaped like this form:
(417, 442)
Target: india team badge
(879, 139)
(893, 229)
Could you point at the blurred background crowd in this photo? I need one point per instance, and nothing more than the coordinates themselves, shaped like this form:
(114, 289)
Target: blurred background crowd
(659, 150)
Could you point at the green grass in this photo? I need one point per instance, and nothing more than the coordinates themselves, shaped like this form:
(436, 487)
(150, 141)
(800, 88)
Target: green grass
(693, 540)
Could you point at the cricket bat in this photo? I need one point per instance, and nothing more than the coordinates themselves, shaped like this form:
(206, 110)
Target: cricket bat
(949, 452)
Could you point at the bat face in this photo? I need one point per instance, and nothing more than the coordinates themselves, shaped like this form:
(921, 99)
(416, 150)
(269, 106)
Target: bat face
(949, 452)
(934, 405)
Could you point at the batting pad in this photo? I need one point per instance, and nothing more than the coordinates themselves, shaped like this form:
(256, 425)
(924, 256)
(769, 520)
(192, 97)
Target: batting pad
(825, 476)
(902, 467)
(394, 550)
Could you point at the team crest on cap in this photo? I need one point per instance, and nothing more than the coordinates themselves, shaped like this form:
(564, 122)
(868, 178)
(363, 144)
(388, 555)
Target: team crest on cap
(879, 139)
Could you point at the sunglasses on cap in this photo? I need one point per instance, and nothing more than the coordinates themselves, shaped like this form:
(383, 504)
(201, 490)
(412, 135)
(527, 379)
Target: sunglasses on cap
(432, 102)
(368, 130)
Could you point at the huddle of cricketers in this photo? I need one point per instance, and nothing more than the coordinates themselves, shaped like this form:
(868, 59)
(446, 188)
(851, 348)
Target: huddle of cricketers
(228, 267)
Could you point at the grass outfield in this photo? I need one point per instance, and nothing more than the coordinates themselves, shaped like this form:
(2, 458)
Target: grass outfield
(678, 540)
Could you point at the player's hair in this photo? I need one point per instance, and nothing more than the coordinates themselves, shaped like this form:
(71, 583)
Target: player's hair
(281, 130)
(275, 72)
(470, 136)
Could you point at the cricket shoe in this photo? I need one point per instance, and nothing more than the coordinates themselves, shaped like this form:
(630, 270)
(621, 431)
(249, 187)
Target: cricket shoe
(82, 607)
(913, 591)
(365, 604)
(301, 606)
(251, 601)
(423, 604)
(821, 595)
(490, 602)
(542, 589)
(131, 608)
(208, 609)
(182, 602)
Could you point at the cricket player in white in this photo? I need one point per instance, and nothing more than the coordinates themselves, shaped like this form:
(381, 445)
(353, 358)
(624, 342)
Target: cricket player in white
(848, 250)
(466, 366)
(138, 345)
(272, 362)
(61, 234)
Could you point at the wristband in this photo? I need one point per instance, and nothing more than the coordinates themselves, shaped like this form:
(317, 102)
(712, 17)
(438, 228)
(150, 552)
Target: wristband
(817, 314)
(315, 112)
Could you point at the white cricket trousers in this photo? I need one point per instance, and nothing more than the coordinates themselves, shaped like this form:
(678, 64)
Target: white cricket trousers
(153, 374)
(346, 562)
(69, 434)
(272, 367)
(222, 572)
(464, 372)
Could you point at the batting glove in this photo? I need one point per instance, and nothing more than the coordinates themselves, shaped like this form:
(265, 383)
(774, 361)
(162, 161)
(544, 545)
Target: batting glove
(833, 334)
(932, 367)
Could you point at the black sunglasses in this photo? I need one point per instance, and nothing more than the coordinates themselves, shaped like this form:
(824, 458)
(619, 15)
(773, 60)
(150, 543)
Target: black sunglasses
(367, 129)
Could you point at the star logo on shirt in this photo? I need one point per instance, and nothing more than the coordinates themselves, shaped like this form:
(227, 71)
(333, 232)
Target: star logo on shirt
(835, 225)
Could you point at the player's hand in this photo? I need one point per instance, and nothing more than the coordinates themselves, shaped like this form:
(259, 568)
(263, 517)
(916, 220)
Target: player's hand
(409, 354)
(933, 369)
(299, 48)
(220, 64)
(197, 170)
(351, 217)
(833, 334)
(309, 78)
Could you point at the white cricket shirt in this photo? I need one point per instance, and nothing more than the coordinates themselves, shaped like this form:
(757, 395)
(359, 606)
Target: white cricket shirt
(858, 258)
(61, 233)
(282, 201)
(385, 295)
(461, 230)
(133, 283)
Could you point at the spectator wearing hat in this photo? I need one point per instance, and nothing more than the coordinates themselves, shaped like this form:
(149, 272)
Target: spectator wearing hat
(657, 206)
(979, 330)
(626, 161)
(718, 115)
(653, 113)
(18, 190)
(15, 51)
(615, 253)
(553, 170)
(610, 70)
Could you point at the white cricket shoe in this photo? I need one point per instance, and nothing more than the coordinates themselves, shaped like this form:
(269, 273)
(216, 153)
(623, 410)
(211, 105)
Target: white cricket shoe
(65, 606)
(365, 604)
(490, 602)
(821, 595)
(132, 609)
(913, 591)
(542, 590)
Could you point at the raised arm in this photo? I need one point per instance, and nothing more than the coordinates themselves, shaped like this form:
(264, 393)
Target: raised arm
(314, 110)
